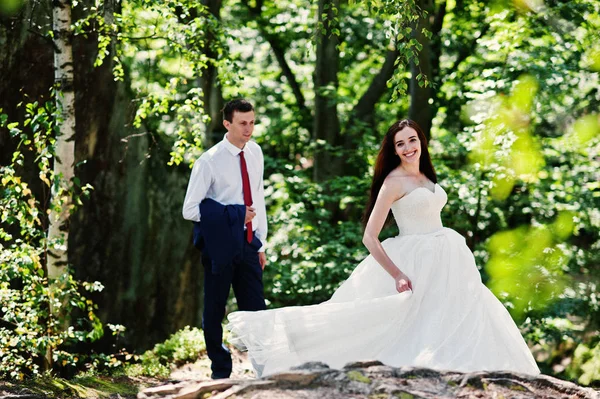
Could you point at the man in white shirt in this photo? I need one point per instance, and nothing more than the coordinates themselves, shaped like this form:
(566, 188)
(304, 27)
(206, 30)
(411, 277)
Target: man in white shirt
(231, 173)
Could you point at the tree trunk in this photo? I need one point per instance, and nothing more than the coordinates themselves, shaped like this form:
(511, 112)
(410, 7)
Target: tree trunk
(213, 104)
(421, 111)
(64, 160)
(326, 123)
(130, 234)
(211, 88)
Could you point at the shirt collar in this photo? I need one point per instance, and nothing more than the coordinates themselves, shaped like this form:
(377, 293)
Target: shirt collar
(230, 147)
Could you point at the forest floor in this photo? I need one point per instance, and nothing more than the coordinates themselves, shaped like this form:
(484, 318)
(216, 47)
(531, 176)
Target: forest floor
(200, 370)
(312, 381)
(119, 387)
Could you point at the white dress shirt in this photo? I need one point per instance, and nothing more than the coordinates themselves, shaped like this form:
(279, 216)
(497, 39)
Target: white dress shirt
(217, 175)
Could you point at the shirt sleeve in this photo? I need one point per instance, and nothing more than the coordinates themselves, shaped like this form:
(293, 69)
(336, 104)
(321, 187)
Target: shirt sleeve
(261, 208)
(200, 181)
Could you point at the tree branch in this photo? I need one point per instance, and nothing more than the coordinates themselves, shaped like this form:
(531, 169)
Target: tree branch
(279, 52)
(285, 68)
(366, 105)
(438, 20)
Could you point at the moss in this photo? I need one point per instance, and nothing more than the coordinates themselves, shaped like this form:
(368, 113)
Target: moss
(111, 386)
(358, 376)
(516, 388)
(83, 387)
(404, 395)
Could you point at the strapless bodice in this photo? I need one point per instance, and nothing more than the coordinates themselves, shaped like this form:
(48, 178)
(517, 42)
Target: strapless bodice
(418, 212)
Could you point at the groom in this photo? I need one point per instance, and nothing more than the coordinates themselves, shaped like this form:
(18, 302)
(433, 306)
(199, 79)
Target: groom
(225, 197)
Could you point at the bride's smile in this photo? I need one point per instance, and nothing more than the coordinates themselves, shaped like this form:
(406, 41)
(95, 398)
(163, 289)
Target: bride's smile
(410, 154)
(408, 146)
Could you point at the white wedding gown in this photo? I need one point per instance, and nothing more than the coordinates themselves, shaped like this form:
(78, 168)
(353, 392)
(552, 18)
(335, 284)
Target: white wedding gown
(451, 321)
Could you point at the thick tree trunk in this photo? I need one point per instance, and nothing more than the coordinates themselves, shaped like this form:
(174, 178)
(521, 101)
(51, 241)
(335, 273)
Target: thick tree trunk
(326, 121)
(129, 234)
(421, 110)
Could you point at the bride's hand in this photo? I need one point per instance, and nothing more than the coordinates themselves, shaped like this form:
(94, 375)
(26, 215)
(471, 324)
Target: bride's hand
(403, 283)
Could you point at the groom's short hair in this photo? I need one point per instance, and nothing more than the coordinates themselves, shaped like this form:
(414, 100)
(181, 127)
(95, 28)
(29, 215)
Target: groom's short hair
(239, 105)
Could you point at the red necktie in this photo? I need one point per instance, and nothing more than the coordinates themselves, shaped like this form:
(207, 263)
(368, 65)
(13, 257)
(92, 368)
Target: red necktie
(247, 193)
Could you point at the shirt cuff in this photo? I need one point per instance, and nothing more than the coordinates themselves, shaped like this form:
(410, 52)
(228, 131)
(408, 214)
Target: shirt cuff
(262, 248)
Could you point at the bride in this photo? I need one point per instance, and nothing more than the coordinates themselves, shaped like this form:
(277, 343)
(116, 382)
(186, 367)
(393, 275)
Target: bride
(417, 300)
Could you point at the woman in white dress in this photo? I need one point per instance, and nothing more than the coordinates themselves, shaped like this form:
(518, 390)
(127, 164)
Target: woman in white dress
(416, 300)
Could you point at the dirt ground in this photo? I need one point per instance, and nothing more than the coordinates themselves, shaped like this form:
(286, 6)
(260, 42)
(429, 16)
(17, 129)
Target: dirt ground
(200, 370)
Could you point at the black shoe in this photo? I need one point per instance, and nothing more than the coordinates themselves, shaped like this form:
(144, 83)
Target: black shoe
(218, 376)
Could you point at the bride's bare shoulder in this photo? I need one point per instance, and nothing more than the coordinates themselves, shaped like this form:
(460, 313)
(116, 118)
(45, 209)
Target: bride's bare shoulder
(395, 184)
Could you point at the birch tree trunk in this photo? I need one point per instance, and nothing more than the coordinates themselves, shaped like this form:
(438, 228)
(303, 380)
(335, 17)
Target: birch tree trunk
(64, 160)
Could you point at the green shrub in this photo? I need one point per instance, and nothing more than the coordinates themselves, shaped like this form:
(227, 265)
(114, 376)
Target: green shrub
(585, 366)
(32, 336)
(182, 347)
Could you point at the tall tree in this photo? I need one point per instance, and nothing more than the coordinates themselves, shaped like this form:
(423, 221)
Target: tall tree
(326, 127)
(64, 162)
(424, 69)
(212, 94)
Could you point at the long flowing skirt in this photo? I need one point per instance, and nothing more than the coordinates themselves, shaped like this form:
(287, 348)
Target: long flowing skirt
(450, 320)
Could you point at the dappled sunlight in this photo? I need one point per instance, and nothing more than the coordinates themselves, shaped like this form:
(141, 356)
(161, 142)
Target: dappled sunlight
(583, 131)
(505, 142)
(526, 264)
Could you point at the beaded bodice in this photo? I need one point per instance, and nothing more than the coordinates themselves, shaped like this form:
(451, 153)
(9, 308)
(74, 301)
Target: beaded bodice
(418, 212)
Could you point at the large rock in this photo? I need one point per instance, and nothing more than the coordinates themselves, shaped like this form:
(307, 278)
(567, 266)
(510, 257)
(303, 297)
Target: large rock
(374, 380)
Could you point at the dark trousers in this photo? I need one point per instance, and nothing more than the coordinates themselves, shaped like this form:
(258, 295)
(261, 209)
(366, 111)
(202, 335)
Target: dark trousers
(245, 275)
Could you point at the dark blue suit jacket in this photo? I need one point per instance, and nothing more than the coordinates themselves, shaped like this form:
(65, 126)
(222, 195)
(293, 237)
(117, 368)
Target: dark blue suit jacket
(220, 232)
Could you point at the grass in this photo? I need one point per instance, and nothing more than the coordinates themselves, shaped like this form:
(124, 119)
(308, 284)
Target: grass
(88, 386)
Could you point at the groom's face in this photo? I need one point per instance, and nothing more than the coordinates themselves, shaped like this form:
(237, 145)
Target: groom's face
(239, 130)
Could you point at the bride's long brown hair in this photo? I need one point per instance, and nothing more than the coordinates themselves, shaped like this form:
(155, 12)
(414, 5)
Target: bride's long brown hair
(387, 160)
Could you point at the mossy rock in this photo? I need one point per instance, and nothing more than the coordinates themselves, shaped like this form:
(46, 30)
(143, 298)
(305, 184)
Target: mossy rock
(358, 376)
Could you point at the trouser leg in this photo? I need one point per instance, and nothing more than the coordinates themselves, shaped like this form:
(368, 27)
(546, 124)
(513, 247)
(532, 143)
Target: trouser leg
(216, 291)
(247, 280)
(248, 286)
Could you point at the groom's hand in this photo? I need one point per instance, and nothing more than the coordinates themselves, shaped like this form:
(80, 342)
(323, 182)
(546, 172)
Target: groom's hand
(250, 213)
(262, 258)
